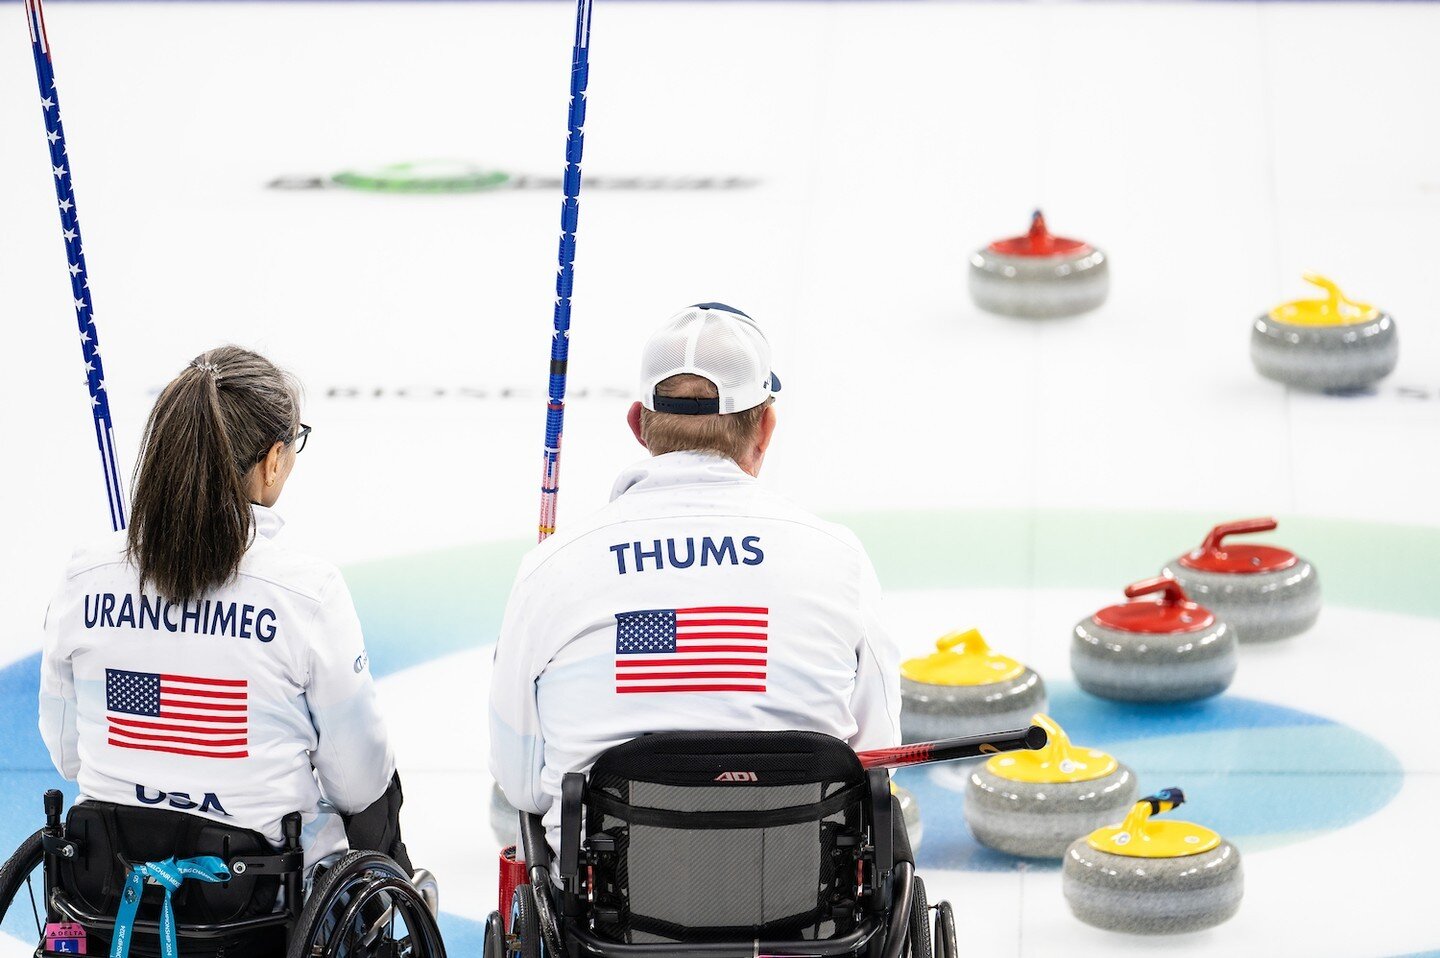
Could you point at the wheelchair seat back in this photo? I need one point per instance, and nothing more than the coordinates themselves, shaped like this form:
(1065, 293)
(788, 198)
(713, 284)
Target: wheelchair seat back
(111, 837)
(705, 837)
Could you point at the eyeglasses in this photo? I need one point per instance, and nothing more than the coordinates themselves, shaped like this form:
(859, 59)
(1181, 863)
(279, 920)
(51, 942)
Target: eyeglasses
(300, 439)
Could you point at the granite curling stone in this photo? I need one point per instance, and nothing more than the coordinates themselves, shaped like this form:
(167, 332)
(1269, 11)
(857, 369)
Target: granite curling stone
(910, 811)
(964, 688)
(1150, 877)
(1034, 804)
(1325, 345)
(1039, 275)
(1262, 592)
(1171, 650)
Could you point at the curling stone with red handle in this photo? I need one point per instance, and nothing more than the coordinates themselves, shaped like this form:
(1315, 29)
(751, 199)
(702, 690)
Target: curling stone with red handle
(1169, 650)
(965, 688)
(1039, 275)
(1262, 592)
(1325, 345)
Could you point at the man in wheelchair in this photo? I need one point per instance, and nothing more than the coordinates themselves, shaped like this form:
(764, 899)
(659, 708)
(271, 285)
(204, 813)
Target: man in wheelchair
(743, 632)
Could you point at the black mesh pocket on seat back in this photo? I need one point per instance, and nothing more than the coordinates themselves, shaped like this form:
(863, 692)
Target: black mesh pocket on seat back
(728, 836)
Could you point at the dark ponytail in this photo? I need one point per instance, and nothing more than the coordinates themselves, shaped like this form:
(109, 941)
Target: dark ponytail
(190, 520)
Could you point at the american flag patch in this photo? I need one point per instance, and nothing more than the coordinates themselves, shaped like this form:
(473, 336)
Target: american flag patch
(718, 648)
(179, 714)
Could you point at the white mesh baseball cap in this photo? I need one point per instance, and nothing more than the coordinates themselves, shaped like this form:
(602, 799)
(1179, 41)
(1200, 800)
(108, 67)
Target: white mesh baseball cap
(717, 342)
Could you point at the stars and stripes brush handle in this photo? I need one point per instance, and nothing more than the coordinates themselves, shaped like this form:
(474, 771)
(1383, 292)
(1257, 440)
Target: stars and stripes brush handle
(953, 749)
(75, 254)
(565, 273)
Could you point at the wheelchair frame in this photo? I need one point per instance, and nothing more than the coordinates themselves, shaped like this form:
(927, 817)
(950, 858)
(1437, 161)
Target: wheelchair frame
(289, 865)
(881, 932)
(320, 923)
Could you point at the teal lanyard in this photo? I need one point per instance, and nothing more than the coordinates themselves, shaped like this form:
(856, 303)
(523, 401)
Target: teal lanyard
(169, 875)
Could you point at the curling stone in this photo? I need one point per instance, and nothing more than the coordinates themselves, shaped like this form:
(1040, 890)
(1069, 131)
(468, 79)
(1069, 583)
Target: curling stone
(910, 811)
(1151, 877)
(1039, 275)
(1034, 804)
(1171, 650)
(964, 688)
(1262, 592)
(1325, 345)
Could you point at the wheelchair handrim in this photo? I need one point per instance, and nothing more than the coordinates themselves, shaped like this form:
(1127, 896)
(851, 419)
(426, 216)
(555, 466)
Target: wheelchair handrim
(372, 902)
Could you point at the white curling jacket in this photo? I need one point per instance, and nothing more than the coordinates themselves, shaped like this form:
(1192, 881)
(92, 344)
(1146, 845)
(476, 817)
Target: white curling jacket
(243, 706)
(696, 600)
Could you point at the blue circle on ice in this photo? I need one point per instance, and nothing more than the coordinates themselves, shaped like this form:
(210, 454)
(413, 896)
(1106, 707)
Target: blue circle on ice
(1260, 774)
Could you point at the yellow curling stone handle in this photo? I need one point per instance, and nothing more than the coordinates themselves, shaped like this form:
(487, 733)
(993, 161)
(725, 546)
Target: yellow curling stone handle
(1336, 309)
(1059, 761)
(1140, 836)
(961, 658)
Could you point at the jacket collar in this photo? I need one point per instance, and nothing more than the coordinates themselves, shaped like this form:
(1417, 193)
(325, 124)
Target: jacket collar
(678, 469)
(267, 521)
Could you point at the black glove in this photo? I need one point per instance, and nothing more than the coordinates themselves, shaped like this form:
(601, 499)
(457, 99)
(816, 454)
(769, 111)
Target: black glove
(377, 828)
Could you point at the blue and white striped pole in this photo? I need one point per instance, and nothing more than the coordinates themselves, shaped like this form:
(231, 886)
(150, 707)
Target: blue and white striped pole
(565, 274)
(75, 253)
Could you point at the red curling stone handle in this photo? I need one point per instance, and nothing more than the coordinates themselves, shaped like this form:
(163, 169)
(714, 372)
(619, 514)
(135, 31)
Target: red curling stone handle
(1239, 527)
(1171, 592)
(952, 749)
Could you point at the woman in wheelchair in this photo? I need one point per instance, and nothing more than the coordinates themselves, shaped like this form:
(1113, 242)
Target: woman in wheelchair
(208, 689)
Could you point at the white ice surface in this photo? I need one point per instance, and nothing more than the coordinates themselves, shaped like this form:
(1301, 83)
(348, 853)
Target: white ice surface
(1214, 150)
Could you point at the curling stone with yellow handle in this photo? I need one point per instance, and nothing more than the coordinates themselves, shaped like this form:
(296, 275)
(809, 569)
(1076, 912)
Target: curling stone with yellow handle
(1034, 804)
(1263, 592)
(1170, 650)
(1335, 344)
(1153, 877)
(1039, 275)
(964, 688)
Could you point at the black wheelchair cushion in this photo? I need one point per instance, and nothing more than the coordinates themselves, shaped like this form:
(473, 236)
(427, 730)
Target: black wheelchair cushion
(112, 836)
(727, 836)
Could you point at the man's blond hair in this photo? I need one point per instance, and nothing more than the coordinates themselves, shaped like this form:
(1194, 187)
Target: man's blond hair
(732, 435)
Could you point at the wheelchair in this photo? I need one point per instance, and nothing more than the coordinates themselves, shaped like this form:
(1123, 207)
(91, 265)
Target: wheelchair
(74, 872)
(721, 845)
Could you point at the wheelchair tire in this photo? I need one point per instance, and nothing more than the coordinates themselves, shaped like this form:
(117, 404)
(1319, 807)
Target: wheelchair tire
(945, 944)
(494, 945)
(525, 925)
(919, 936)
(22, 889)
(352, 910)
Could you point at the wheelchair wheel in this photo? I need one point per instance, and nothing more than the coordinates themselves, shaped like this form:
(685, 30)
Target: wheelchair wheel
(945, 945)
(366, 907)
(525, 925)
(919, 937)
(494, 946)
(22, 892)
